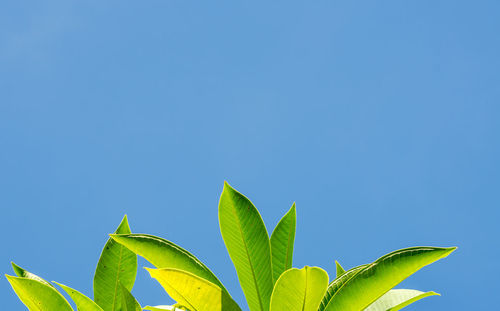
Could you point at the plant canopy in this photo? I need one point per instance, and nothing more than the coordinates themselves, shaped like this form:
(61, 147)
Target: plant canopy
(263, 263)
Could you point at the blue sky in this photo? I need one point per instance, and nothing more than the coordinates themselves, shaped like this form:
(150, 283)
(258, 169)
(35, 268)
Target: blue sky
(379, 118)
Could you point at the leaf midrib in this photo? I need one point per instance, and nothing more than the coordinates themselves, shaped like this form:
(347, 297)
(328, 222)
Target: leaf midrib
(248, 257)
(305, 293)
(117, 278)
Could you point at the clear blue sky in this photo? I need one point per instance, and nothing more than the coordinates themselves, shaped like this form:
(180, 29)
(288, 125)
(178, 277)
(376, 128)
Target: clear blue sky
(381, 119)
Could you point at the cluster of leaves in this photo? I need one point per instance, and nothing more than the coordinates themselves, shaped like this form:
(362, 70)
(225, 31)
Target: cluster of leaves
(263, 265)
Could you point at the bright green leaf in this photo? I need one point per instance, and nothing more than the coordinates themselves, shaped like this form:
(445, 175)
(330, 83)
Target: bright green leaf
(299, 289)
(165, 254)
(129, 303)
(247, 242)
(195, 293)
(374, 280)
(282, 240)
(396, 299)
(116, 265)
(20, 272)
(340, 270)
(83, 303)
(162, 308)
(336, 284)
(38, 296)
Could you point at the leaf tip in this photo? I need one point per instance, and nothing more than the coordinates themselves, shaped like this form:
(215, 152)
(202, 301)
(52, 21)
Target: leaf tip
(450, 250)
(227, 187)
(340, 269)
(17, 270)
(124, 226)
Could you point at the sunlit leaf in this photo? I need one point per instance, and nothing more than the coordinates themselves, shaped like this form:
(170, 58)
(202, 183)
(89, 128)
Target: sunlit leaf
(161, 308)
(37, 295)
(193, 292)
(282, 240)
(396, 299)
(129, 303)
(82, 302)
(374, 280)
(116, 265)
(247, 242)
(336, 284)
(299, 289)
(339, 268)
(165, 254)
(26, 274)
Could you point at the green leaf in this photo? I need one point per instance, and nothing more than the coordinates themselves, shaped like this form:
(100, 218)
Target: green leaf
(396, 299)
(129, 303)
(299, 289)
(374, 280)
(340, 270)
(20, 272)
(195, 293)
(116, 265)
(83, 303)
(162, 308)
(165, 254)
(336, 284)
(38, 296)
(247, 242)
(282, 243)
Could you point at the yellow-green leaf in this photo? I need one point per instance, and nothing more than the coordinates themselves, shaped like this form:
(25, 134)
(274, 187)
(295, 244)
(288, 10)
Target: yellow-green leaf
(299, 289)
(247, 242)
(82, 302)
(162, 308)
(396, 299)
(193, 292)
(129, 303)
(116, 265)
(20, 272)
(38, 296)
(374, 280)
(165, 254)
(282, 240)
(339, 268)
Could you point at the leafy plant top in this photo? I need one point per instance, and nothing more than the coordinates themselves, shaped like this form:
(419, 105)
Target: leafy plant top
(263, 263)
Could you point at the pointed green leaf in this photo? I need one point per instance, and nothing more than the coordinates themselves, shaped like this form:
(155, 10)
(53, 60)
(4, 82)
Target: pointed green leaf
(336, 284)
(396, 299)
(129, 303)
(195, 293)
(38, 296)
(116, 265)
(165, 254)
(20, 272)
(282, 240)
(83, 303)
(247, 242)
(371, 282)
(299, 289)
(340, 270)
